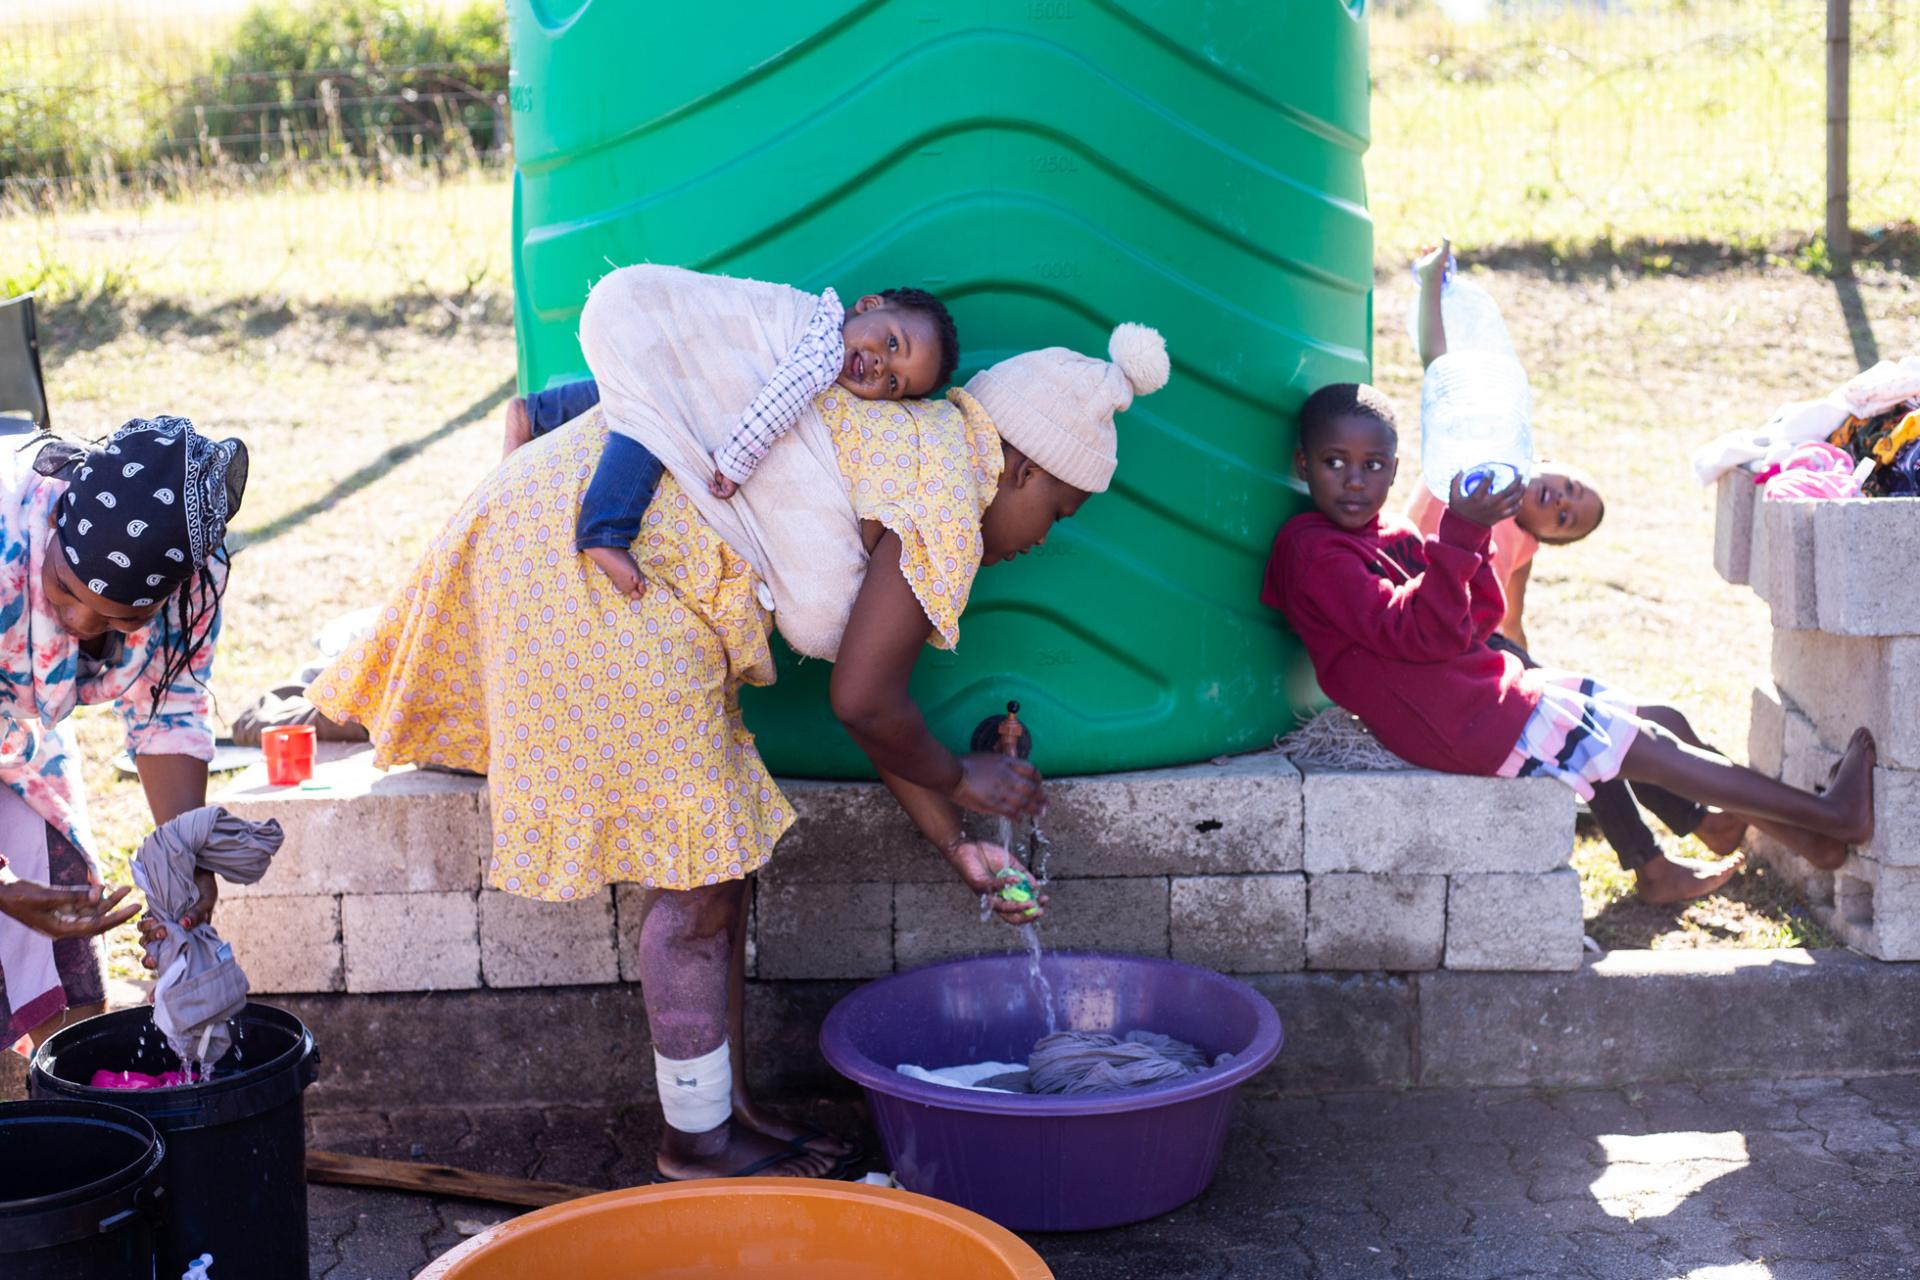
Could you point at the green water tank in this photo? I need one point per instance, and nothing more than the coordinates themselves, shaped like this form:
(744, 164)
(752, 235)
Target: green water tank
(1049, 167)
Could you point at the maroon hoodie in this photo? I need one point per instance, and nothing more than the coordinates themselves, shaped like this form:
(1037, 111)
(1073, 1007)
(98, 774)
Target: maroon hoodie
(1397, 630)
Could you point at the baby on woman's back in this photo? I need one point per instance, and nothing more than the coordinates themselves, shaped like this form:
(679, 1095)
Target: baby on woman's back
(899, 344)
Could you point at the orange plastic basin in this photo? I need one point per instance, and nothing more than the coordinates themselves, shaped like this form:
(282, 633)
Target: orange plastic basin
(746, 1229)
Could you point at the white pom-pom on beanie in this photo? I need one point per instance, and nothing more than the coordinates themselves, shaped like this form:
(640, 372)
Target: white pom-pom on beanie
(1057, 406)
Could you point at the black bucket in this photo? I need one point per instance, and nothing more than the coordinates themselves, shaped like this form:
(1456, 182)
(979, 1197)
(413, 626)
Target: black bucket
(78, 1186)
(235, 1173)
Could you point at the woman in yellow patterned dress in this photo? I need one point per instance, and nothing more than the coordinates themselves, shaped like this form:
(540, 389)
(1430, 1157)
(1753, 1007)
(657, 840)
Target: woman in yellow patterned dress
(610, 729)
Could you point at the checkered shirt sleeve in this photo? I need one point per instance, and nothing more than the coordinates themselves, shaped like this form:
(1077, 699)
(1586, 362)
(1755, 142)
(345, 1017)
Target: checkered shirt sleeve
(808, 370)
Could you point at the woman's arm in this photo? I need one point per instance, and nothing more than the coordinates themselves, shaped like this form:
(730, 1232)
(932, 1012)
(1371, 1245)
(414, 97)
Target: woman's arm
(174, 785)
(1512, 626)
(884, 637)
(977, 861)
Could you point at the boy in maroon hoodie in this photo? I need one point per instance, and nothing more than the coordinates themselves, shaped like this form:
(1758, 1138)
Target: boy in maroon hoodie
(1397, 628)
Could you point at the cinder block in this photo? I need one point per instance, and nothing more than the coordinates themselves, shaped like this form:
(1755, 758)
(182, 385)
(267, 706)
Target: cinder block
(1514, 922)
(367, 832)
(1240, 924)
(528, 943)
(1376, 922)
(851, 833)
(411, 941)
(285, 944)
(825, 930)
(1782, 565)
(1845, 682)
(1864, 553)
(1240, 815)
(1766, 731)
(939, 921)
(1877, 908)
(629, 910)
(1423, 823)
(1733, 526)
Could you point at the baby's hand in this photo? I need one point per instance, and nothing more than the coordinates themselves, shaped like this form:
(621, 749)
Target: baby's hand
(1484, 507)
(621, 569)
(1430, 264)
(720, 486)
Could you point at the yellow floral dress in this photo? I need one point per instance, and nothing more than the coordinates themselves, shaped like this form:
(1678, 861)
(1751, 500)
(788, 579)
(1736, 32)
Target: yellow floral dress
(609, 729)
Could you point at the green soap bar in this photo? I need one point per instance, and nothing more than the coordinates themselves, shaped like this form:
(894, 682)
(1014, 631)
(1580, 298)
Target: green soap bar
(1016, 893)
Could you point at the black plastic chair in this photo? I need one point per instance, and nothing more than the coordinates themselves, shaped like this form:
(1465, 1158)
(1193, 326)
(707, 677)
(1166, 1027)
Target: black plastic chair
(22, 389)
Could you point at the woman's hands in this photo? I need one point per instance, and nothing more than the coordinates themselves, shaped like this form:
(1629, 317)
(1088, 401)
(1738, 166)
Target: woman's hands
(997, 784)
(153, 931)
(65, 911)
(978, 862)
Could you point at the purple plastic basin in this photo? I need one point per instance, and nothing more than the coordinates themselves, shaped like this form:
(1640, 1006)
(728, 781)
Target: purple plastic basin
(1059, 1163)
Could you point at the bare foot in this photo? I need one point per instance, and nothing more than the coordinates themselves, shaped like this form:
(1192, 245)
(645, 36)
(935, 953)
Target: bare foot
(1721, 832)
(622, 570)
(1851, 791)
(773, 1125)
(1823, 853)
(519, 426)
(731, 1150)
(1666, 880)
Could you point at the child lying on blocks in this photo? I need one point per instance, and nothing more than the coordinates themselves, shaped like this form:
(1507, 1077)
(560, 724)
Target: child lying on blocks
(1397, 628)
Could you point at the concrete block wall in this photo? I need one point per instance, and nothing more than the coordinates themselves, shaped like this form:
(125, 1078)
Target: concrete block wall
(1245, 866)
(1846, 655)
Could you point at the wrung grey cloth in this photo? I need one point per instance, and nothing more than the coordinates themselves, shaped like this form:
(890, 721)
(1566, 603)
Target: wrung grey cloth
(200, 984)
(1094, 1062)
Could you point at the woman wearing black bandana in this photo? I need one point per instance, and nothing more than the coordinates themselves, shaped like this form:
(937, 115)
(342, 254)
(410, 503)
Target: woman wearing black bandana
(112, 565)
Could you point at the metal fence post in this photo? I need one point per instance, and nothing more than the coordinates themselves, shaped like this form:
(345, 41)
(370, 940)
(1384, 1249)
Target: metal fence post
(1839, 44)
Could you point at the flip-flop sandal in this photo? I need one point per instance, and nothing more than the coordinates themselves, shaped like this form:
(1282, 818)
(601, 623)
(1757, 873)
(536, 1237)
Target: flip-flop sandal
(758, 1166)
(842, 1165)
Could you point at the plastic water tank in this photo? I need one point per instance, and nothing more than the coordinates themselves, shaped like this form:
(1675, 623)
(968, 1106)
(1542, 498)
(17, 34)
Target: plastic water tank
(1049, 167)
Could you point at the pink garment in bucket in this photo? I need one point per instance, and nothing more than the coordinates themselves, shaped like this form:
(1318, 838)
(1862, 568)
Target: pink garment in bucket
(104, 1079)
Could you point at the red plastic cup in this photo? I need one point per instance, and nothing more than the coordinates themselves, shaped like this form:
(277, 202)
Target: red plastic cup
(289, 751)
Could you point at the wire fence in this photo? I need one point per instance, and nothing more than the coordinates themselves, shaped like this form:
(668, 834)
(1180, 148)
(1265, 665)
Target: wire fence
(1643, 121)
(1529, 122)
(104, 95)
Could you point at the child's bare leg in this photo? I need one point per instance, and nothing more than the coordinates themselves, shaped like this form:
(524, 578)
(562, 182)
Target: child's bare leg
(1719, 830)
(686, 942)
(1722, 830)
(519, 426)
(1844, 813)
(745, 1110)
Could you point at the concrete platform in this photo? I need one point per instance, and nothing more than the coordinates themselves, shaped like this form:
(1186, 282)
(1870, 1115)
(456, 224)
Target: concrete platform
(1626, 1017)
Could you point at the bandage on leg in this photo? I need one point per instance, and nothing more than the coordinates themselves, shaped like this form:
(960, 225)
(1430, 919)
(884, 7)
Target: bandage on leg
(696, 1094)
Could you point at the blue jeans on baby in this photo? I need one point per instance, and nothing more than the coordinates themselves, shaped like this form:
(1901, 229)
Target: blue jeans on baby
(624, 481)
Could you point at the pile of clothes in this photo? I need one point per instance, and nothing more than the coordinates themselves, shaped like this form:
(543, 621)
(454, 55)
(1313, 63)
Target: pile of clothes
(1862, 439)
(1079, 1062)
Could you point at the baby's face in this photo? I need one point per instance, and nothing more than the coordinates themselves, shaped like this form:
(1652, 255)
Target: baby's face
(1560, 505)
(892, 353)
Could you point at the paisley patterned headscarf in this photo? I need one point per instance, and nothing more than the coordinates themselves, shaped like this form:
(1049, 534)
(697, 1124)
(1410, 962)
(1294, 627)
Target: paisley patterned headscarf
(144, 510)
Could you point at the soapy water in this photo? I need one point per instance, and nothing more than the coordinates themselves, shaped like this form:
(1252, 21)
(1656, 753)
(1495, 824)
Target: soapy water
(187, 1072)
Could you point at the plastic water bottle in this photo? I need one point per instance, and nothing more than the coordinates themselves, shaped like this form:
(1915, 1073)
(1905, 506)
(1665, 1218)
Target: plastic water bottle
(1476, 411)
(1470, 315)
(197, 1269)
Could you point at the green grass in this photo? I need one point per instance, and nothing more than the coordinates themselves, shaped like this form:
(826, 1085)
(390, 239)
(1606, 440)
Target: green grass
(1700, 121)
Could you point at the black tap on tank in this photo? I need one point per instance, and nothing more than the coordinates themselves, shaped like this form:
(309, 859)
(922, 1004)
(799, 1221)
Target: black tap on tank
(1005, 734)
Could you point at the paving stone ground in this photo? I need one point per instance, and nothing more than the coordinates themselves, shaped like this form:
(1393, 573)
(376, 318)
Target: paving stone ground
(1797, 1180)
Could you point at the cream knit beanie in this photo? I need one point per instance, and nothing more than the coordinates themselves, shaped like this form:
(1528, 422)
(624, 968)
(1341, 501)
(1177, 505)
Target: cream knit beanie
(1057, 406)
